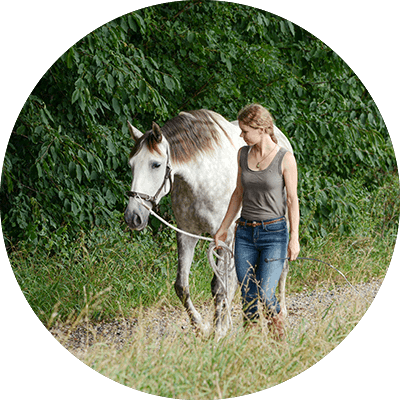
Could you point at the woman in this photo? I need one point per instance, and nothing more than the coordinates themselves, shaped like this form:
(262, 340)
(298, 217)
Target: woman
(266, 187)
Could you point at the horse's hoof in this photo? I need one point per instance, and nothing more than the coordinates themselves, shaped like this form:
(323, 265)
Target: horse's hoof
(202, 328)
(220, 333)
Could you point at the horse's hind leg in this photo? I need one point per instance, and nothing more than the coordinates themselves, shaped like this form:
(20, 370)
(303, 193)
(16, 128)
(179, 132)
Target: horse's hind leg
(282, 284)
(186, 246)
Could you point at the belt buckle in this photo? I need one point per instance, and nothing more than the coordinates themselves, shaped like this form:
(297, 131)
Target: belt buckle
(254, 224)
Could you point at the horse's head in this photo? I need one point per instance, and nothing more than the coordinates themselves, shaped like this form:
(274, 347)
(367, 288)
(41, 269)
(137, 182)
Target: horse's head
(152, 177)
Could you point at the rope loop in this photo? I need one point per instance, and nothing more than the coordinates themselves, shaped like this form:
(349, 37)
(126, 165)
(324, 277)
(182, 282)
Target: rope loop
(222, 269)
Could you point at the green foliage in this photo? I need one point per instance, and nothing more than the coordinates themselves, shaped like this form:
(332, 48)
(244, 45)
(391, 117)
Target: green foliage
(66, 164)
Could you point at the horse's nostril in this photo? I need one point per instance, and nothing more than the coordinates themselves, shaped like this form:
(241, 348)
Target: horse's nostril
(136, 220)
(133, 219)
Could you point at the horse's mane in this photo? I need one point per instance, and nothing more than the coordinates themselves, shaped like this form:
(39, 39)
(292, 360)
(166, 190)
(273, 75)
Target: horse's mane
(188, 134)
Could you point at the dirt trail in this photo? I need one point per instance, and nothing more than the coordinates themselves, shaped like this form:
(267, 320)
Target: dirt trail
(305, 310)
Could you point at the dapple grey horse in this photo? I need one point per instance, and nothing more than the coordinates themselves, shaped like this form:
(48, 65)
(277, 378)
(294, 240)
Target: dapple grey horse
(193, 156)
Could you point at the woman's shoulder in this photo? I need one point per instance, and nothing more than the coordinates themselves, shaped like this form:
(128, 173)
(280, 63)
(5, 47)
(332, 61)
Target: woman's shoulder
(288, 160)
(243, 150)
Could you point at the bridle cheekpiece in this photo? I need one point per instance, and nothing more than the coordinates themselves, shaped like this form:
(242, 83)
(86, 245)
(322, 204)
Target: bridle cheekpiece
(153, 199)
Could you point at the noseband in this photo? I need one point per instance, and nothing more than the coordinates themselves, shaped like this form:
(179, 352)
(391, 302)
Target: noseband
(153, 199)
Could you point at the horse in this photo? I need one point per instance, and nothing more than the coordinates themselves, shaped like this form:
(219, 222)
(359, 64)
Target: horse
(194, 157)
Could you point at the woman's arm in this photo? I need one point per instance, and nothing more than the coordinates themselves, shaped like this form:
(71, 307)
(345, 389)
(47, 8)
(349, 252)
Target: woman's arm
(233, 208)
(289, 170)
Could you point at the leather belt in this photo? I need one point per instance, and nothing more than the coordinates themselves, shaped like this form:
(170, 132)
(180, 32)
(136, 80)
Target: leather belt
(254, 223)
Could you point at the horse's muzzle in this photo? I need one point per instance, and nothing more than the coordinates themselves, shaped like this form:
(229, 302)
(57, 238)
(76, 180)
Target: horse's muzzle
(136, 220)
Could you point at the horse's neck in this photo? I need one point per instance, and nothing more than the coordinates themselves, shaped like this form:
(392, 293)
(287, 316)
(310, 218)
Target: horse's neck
(199, 174)
(216, 169)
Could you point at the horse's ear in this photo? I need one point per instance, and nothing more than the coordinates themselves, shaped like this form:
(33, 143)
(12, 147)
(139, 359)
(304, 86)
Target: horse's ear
(135, 133)
(157, 133)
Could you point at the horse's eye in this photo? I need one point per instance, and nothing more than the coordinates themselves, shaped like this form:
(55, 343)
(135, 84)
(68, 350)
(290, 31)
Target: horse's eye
(156, 165)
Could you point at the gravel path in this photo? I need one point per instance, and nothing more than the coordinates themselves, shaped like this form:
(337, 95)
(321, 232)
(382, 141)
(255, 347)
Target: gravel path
(305, 309)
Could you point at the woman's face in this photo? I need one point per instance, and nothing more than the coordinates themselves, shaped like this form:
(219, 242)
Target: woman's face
(250, 135)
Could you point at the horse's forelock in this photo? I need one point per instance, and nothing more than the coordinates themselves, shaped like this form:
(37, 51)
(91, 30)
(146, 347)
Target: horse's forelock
(148, 139)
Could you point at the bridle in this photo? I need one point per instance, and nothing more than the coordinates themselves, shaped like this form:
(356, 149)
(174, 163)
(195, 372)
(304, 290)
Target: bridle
(153, 199)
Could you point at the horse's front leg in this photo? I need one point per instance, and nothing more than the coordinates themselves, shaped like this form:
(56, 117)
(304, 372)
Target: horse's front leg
(186, 246)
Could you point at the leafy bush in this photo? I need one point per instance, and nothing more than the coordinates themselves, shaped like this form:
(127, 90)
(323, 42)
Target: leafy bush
(66, 163)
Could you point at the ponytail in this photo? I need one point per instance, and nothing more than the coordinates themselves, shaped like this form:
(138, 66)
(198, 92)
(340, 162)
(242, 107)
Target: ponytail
(273, 137)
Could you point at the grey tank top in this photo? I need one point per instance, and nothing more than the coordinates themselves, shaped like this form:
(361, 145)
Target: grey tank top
(264, 192)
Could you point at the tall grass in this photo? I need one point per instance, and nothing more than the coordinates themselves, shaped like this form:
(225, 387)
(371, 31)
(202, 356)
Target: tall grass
(181, 364)
(124, 276)
(131, 269)
(130, 273)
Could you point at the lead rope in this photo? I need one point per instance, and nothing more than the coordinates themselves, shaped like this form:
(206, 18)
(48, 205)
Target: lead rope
(221, 270)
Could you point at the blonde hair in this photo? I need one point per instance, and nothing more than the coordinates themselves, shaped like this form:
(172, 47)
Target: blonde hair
(256, 116)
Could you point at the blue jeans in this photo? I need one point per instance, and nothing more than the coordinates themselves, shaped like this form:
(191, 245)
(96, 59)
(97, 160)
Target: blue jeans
(258, 279)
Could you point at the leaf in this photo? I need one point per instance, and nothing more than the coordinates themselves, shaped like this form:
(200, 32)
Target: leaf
(190, 37)
(169, 82)
(124, 25)
(283, 27)
(132, 23)
(291, 27)
(359, 154)
(141, 23)
(70, 58)
(110, 197)
(74, 208)
(111, 147)
(323, 129)
(142, 87)
(115, 105)
(229, 64)
(110, 80)
(39, 170)
(71, 168)
(75, 96)
(371, 119)
(79, 173)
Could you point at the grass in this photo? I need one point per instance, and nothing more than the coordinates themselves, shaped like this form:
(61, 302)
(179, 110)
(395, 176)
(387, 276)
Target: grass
(116, 274)
(181, 364)
(130, 273)
(131, 269)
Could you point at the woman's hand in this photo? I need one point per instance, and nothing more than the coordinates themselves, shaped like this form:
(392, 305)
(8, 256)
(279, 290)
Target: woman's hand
(221, 234)
(293, 249)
